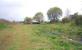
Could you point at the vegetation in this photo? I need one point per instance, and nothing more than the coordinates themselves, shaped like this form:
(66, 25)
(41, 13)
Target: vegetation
(58, 36)
(54, 14)
(27, 20)
(38, 17)
(65, 20)
(3, 26)
(41, 37)
(75, 19)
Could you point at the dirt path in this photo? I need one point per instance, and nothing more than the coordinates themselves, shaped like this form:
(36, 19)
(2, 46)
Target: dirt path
(22, 37)
(15, 38)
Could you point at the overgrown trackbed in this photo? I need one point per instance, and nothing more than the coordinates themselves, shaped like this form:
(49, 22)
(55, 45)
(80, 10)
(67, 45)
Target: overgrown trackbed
(20, 37)
(36, 37)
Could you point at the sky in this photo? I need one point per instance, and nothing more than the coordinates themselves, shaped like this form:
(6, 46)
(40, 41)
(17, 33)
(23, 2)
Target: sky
(19, 9)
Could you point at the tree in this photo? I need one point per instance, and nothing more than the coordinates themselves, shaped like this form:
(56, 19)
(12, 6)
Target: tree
(27, 20)
(38, 17)
(54, 14)
(77, 19)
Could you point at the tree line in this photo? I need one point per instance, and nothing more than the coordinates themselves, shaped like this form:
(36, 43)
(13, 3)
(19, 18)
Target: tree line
(54, 14)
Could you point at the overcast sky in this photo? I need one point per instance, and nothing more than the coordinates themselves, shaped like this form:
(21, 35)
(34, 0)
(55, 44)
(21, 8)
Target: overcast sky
(19, 9)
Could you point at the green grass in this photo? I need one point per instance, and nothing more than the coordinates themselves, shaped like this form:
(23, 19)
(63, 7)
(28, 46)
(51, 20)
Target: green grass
(58, 34)
(42, 37)
(3, 26)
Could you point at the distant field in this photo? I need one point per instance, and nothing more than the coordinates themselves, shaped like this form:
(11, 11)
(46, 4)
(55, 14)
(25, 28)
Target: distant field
(40, 37)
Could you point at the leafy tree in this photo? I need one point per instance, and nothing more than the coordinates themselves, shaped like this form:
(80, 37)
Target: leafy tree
(54, 14)
(27, 20)
(39, 17)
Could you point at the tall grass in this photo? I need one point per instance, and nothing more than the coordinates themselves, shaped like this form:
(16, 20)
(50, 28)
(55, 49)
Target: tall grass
(59, 35)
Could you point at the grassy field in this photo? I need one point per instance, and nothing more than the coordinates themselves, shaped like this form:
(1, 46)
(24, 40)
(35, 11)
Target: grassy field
(40, 37)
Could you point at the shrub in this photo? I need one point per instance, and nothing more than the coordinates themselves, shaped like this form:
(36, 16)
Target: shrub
(78, 20)
(65, 20)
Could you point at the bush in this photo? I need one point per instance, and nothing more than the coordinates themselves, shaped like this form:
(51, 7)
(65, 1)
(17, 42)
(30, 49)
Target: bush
(65, 20)
(78, 20)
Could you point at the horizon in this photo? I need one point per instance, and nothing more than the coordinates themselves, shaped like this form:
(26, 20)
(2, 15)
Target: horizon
(17, 10)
